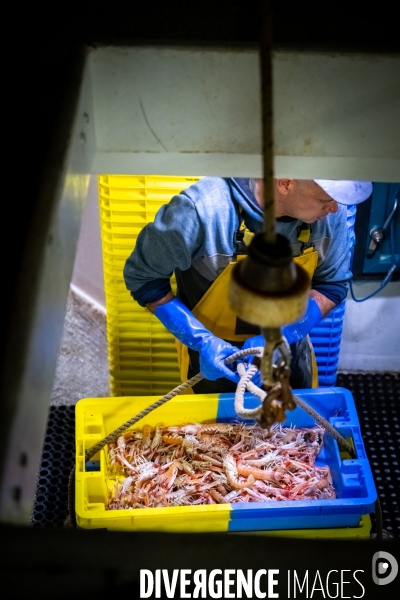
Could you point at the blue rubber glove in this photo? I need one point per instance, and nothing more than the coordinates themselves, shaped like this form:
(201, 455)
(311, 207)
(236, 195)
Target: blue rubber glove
(178, 319)
(294, 332)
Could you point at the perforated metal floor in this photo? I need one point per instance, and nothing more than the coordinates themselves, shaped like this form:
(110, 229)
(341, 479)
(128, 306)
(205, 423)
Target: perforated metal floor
(377, 398)
(58, 456)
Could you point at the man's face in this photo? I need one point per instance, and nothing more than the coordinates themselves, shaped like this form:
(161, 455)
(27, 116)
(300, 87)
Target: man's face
(300, 199)
(309, 202)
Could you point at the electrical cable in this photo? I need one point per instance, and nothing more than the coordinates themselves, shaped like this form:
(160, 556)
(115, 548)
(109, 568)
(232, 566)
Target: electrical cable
(245, 376)
(389, 274)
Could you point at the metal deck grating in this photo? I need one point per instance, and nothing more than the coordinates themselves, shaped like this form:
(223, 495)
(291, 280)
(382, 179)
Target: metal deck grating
(58, 456)
(377, 399)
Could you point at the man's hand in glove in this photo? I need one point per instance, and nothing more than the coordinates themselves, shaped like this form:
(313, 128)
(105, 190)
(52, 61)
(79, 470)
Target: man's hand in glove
(213, 351)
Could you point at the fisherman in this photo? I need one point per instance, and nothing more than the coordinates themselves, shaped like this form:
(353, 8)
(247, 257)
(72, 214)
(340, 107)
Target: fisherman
(203, 231)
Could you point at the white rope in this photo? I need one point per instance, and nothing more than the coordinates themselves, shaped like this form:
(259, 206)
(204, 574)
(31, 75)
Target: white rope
(258, 350)
(243, 385)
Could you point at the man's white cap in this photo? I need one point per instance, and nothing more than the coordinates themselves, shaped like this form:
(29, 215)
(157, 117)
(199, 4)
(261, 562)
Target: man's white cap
(346, 192)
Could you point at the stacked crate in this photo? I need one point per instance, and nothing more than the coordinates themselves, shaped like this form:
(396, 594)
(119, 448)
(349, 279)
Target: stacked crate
(142, 353)
(325, 338)
(327, 335)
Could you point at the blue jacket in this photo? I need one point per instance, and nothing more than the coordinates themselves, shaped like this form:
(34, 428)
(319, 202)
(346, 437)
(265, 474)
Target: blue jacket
(193, 236)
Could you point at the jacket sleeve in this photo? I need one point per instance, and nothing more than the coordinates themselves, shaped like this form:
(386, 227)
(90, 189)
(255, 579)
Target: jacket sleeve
(170, 242)
(336, 291)
(334, 261)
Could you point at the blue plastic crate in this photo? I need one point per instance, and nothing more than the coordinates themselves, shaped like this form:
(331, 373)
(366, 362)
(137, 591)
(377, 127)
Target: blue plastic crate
(327, 335)
(326, 338)
(327, 380)
(352, 478)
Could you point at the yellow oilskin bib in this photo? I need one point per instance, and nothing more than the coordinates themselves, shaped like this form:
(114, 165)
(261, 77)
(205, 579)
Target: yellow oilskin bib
(214, 312)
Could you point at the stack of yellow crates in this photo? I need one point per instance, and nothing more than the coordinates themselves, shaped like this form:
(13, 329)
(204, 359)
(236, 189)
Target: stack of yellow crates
(141, 352)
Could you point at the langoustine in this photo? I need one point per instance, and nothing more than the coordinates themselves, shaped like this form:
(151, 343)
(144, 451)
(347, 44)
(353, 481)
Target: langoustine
(214, 464)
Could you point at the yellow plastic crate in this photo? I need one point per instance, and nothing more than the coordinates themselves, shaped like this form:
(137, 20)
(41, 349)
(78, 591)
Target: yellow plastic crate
(97, 417)
(141, 352)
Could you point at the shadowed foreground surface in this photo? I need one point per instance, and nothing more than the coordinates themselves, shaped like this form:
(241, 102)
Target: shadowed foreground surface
(96, 564)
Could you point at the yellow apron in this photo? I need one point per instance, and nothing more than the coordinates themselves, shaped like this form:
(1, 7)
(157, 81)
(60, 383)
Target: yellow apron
(214, 312)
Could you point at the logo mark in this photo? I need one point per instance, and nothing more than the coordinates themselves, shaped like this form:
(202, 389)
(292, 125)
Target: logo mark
(384, 568)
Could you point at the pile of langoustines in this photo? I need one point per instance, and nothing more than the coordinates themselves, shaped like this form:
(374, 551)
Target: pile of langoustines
(214, 464)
